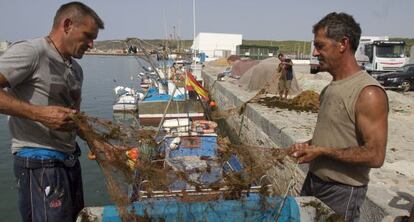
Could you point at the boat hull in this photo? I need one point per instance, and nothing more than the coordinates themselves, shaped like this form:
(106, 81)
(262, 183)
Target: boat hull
(124, 107)
(151, 112)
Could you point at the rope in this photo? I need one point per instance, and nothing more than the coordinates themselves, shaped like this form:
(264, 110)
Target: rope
(290, 185)
(165, 111)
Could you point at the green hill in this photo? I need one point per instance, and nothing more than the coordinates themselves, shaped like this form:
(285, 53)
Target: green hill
(287, 47)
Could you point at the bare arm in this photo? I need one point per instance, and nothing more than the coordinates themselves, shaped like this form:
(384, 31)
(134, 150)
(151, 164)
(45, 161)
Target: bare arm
(372, 126)
(54, 117)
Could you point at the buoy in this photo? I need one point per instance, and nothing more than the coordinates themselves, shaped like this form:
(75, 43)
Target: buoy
(91, 156)
(132, 155)
(175, 143)
(213, 104)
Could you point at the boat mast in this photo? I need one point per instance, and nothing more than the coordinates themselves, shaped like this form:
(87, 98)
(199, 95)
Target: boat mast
(194, 29)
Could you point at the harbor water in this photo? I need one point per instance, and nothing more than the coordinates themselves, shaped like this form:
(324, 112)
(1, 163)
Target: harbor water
(101, 75)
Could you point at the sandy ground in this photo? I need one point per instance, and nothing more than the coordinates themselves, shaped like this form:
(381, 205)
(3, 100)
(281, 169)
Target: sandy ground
(391, 186)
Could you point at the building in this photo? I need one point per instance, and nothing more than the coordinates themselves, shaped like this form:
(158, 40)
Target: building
(257, 51)
(216, 45)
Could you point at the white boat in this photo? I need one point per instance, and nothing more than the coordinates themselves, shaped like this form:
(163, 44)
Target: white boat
(126, 99)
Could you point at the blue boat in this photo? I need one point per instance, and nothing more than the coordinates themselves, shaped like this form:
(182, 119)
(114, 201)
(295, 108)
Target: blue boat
(152, 107)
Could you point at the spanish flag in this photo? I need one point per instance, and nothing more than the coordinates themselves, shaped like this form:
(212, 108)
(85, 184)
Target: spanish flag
(192, 84)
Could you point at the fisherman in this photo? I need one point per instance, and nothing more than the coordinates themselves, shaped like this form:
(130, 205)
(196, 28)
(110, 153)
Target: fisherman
(44, 89)
(351, 131)
(285, 80)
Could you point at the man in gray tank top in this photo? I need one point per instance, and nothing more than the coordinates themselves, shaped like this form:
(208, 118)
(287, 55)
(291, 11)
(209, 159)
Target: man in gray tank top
(350, 136)
(44, 84)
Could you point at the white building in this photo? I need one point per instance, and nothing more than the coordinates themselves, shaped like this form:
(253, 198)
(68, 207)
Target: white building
(216, 45)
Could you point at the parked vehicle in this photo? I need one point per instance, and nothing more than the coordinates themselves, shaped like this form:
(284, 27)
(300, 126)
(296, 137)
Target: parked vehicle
(402, 79)
(377, 54)
(313, 61)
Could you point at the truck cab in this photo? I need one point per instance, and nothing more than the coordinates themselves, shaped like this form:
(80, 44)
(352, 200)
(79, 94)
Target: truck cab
(313, 61)
(378, 54)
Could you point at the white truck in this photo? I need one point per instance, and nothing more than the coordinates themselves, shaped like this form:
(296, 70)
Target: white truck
(313, 61)
(375, 54)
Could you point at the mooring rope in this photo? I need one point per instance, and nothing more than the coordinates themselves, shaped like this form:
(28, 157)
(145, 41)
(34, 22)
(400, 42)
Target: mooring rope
(290, 185)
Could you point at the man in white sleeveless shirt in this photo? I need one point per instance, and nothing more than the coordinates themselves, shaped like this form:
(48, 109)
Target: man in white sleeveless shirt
(350, 136)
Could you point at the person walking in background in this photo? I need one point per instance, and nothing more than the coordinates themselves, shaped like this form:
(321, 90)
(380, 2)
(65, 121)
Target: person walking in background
(350, 136)
(44, 89)
(285, 80)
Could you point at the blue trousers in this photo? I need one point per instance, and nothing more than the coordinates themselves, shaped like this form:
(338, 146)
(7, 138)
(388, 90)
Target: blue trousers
(48, 189)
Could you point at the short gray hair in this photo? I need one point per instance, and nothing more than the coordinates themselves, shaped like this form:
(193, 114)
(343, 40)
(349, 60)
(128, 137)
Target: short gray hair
(77, 11)
(338, 26)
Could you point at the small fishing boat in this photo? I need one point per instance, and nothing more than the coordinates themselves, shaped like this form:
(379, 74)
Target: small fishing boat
(169, 101)
(126, 99)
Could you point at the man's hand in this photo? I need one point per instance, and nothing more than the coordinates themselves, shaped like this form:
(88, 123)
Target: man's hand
(304, 152)
(55, 117)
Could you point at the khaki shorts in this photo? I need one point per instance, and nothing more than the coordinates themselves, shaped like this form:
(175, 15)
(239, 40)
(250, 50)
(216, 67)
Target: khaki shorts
(284, 85)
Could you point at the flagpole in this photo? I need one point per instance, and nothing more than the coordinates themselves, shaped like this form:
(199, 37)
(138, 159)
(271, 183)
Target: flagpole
(185, 85)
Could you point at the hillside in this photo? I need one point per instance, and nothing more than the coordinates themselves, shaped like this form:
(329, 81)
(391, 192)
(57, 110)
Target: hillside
(288, 47)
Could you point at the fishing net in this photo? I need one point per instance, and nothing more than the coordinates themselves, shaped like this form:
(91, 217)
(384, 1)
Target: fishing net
(140, 166)
(239, 67)
(115, 147)
(159, 176)
(264, 75)
(307, 101)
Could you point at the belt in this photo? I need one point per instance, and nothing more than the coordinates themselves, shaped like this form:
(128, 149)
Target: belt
(39, 153)
(37, 157)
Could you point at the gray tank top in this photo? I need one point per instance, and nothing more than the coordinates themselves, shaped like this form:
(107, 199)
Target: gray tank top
(336, 127)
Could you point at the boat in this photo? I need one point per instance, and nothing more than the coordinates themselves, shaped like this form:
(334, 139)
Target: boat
(126, 99)
(169, 100)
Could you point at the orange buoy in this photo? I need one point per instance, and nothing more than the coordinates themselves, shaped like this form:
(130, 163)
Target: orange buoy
(132, 153)
(91, 155)
(213, 104)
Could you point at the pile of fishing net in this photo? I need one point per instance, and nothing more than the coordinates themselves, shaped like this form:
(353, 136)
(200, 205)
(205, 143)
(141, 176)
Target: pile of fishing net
(307, 101)
(264, 75)
(220, 62)
(239, 67)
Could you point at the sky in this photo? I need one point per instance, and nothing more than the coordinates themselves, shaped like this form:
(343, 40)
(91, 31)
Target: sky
(254, 19)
